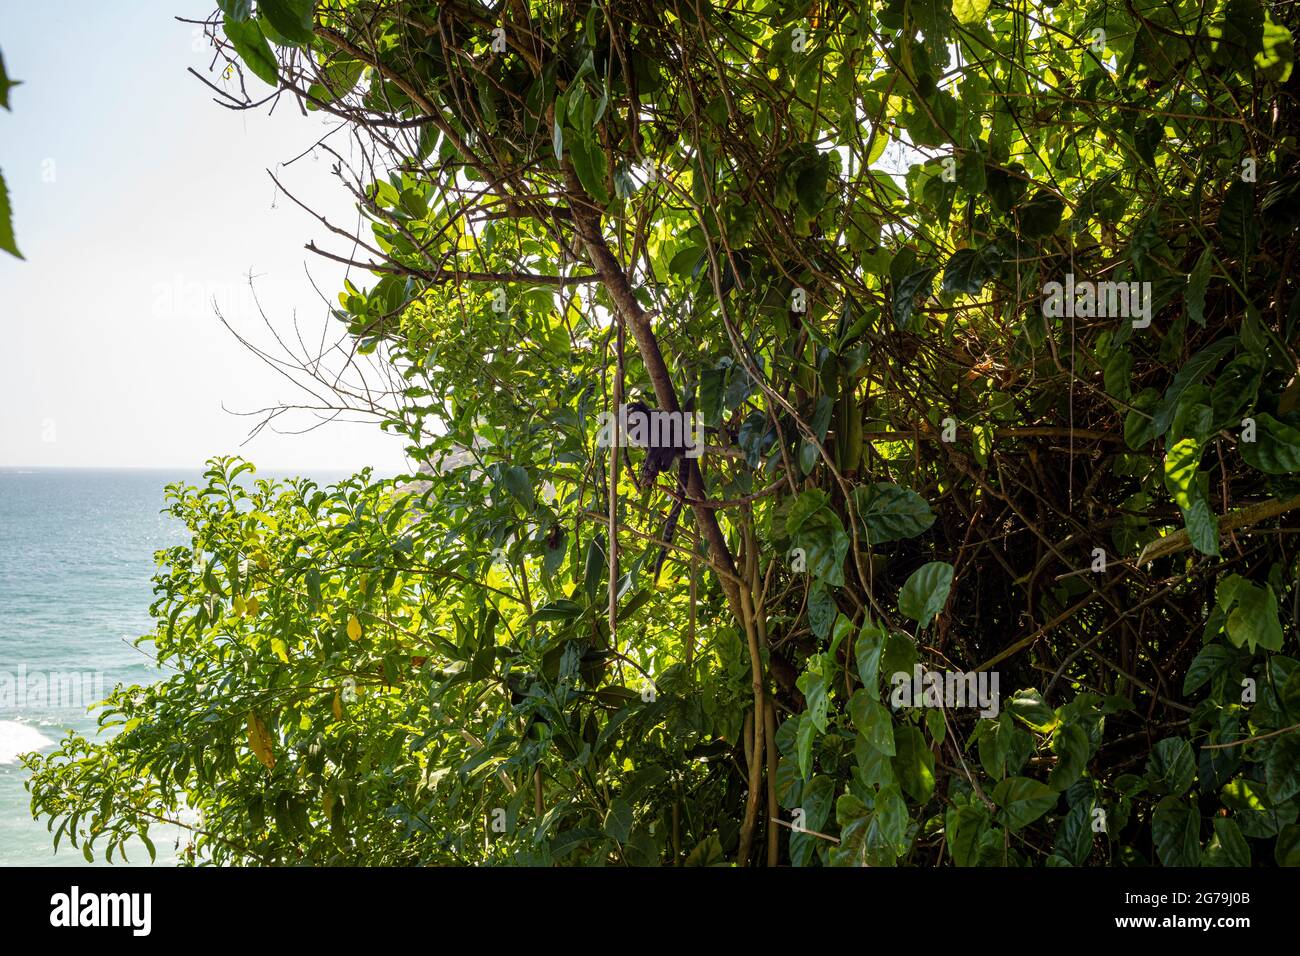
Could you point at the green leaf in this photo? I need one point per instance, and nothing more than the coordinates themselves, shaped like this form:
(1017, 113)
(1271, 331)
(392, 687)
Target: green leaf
(595, 568)
(1276, 56)
(340, 78)
(1072, 749)
(1184, 485)
(515, 480)
(250, 43)
(1176, 829)
(1040, 215)
(1211, 659)
(913, 762)
(7, 241)
(1147, 138)
(964, 827)
(557, 132)
(1074, 836)
(803, 508)
(890, 821)
(1252, 613)
(1238, 223)
(148, 845)
(891, 513)
(1139, 428)
(821, 610)
(1227, 847)
(867, 650)
(589, 163)
(236, 9)
(1276, 448)
(1241, 33)
(1021, 801)
(826, 544)
(1003, 747)
(570, 840)
(562, 610)
(789, 785)
(618, 821)
(1287, 849)
(849, 808)
(872, 719)
(810, 185)
(292, 19)
(905, 292)
(1282, 768)
(813, 682)
(1170, 767)
(806, 733)
(818, 798)
(1235, 388)
(1197, 282)
(968, 12)
(6, 84)
(926, 592)
(968, 270)
(1197, 367)
(1029, 707)
(484, 660)
(899, 655)
(874, 768)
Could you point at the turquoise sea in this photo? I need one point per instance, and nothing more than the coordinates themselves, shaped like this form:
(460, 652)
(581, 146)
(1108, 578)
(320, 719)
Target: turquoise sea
(76, 561)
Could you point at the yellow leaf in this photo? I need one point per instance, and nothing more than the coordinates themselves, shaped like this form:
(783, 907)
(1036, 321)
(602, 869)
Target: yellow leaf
(338, 706)
(354, 627)
(252, 604)
(239, 605)
(259, 739)
(281, 649)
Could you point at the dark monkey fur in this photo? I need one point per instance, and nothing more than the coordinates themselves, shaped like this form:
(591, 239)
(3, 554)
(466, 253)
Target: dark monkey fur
(659, 459)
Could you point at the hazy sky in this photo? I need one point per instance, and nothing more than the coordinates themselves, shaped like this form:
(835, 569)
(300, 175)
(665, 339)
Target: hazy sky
(137, 200)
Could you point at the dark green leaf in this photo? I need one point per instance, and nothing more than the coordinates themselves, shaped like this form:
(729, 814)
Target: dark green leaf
(292, 19)
(914, 763)
(1176, 830)
(1276, 448)
(926, 592)
(249, 42)
(1040, 215)
(1021, 801)
(7, 241)
(1170, 768)
(905, 292)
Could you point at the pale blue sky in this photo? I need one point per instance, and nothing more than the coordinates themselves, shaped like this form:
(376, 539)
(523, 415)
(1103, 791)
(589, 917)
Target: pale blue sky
(137, 199)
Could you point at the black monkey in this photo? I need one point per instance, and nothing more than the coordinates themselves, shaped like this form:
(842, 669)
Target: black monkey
(659, 458)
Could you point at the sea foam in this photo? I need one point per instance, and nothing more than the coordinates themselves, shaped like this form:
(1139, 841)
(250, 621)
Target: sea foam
(16, 738)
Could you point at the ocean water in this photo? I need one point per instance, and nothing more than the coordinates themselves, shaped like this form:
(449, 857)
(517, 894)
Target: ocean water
(76, 563)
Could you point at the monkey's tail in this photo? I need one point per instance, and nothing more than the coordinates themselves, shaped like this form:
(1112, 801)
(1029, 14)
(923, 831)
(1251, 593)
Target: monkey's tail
(670, 528)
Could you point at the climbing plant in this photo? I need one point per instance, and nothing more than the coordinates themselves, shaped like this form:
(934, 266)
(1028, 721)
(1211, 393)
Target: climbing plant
(987, 312)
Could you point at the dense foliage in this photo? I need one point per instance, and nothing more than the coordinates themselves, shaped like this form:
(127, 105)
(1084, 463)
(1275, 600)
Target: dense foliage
(832, 228)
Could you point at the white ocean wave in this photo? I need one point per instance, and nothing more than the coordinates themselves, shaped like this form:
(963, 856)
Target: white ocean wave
(16, 738)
